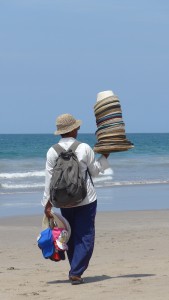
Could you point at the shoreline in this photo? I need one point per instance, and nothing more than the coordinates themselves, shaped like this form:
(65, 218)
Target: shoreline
(116, 198)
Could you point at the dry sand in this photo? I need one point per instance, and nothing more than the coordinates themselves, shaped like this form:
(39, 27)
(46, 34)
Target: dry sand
(130, 260)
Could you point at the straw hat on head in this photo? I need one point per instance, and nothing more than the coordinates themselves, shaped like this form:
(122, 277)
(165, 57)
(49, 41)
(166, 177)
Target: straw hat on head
(66, 123)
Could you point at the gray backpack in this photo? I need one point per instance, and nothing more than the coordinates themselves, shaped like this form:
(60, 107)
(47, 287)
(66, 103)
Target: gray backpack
(67, 187)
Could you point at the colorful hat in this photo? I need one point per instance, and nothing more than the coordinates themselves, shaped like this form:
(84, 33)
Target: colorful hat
(45, 243)
(60, 237)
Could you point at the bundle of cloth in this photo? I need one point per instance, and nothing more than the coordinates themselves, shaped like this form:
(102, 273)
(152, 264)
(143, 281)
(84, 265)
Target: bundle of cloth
(54, 237)
(110, 132)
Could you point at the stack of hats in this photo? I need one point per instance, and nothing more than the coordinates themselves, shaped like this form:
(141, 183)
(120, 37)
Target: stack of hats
(111, 128)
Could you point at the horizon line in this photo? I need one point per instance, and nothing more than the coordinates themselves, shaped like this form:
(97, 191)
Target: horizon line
(28, 133)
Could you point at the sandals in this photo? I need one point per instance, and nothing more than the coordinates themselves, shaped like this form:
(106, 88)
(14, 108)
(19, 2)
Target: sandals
(76, 280)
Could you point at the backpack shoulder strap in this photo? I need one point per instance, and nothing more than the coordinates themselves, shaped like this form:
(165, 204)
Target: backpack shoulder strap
(88, 172)
(74, 146)
(58, 149)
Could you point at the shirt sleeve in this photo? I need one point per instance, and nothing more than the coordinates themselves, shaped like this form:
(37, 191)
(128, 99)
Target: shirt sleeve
(50, 163)
(96, 166)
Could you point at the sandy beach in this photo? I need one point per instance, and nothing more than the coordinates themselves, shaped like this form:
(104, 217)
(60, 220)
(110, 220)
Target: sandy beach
(130, 260)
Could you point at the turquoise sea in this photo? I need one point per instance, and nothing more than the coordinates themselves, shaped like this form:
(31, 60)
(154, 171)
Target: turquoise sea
(22, 170)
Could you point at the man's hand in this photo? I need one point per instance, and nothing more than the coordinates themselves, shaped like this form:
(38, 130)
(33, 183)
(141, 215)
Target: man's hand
(47, 210)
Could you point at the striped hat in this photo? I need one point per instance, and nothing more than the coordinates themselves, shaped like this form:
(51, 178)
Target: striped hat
(110, 131)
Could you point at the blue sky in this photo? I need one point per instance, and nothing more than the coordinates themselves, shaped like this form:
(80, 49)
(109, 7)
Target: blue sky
(56, 55)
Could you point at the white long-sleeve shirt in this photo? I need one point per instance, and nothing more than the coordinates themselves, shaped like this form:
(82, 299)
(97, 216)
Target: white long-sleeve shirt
(86, 160)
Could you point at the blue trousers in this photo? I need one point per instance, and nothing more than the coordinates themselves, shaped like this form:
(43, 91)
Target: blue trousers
(81, 242)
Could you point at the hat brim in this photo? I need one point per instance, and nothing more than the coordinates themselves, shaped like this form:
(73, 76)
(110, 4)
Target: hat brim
(108, 112)
(106, 107)
(111, 148)
(69, 128)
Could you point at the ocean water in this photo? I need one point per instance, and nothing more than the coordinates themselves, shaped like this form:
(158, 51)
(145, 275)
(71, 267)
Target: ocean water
(22, 163)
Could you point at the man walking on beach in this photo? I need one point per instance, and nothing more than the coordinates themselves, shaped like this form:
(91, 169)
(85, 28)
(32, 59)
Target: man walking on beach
(82, 216)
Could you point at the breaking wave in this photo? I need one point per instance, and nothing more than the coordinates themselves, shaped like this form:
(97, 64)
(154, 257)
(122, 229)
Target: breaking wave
(22, 175)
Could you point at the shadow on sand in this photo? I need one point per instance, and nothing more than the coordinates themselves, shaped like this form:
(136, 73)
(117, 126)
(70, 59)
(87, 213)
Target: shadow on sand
(103, 277)
(134, 275)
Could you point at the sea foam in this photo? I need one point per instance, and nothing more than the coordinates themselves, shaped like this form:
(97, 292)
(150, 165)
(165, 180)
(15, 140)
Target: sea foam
(22, 175)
